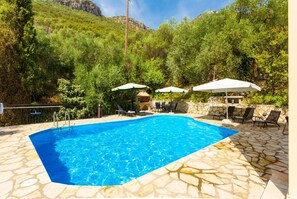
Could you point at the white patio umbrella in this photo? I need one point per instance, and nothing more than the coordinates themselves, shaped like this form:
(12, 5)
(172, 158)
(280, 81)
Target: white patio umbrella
(171, 89)
(227, 85)
(130, 86)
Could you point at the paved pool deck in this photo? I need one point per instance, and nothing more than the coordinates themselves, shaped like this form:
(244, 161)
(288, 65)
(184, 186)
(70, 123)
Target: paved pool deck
(240, 166)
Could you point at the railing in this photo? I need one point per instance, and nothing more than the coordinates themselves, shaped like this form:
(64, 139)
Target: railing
(56, 119)
(28, 114)
(67, 118)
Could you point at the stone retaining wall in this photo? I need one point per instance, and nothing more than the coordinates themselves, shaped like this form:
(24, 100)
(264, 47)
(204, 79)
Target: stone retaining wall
(216, 108)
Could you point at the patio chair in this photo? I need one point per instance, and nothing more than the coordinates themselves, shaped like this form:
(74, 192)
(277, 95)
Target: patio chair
(286, 124)
(272, 118)
(153, 108)
(163, 106)
(158, 106)
(230, 113)
(248, 115)
(175, 106)
(120, 110)
(170, 106)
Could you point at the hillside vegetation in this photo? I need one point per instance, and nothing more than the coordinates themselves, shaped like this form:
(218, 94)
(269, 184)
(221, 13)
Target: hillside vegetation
(76, 57)
(53, 16)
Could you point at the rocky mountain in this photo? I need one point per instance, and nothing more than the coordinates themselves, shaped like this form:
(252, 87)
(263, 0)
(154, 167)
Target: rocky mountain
(85, 5)
(90, 7)
(132, 22)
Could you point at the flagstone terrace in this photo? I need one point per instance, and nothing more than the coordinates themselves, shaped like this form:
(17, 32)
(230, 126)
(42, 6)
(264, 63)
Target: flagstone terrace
(237, 167)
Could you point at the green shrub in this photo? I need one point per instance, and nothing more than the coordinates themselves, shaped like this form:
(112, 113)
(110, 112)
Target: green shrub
(200, 97)
(279, 100)
(73, 95)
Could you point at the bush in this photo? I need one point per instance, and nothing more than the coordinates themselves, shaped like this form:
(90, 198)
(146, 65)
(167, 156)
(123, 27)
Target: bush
(74, 95)
(200, 97)
(279, 100)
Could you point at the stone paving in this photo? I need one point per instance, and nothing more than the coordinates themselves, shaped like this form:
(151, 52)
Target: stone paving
(236, 167)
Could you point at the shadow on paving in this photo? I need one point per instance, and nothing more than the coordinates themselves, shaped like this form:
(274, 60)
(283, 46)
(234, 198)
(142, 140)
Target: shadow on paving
(8, 132)
(265, 149)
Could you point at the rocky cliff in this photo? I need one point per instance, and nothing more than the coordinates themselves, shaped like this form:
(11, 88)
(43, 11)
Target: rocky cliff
(85, 5)
(90, 7)
(133, 23)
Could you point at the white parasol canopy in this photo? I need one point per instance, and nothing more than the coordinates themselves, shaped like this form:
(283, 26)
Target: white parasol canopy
(171, 89)
(231, 85)
(129, 86)
(227, 85)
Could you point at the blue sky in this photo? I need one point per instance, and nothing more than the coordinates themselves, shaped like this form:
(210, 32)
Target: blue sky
(154, 12)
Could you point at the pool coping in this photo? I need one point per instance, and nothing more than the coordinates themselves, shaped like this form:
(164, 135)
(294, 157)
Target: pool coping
(195, 175)
(127, 120)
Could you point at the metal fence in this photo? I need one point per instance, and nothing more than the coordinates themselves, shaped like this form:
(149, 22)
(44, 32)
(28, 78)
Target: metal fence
(28, 114)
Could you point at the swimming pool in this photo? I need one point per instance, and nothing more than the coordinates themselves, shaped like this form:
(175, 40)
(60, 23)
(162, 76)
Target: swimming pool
(113, 153)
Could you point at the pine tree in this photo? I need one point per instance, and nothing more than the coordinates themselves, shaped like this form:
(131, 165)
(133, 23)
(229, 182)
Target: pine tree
(26, 43)
(17, 17)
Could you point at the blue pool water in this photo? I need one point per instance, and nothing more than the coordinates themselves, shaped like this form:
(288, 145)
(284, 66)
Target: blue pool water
(114, 153)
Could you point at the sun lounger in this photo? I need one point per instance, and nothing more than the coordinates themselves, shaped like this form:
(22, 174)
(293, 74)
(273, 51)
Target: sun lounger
(130, 113)
(286, 124)
(174, 107)
(271, 119)
(145, 112)
(120, 110)
(248, 115)
(230, 113)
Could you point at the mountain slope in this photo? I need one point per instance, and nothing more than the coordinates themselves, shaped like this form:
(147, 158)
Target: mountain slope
(53, 16)
(85, 5)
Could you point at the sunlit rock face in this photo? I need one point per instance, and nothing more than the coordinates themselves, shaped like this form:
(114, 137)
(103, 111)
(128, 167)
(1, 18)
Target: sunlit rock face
(84, 5)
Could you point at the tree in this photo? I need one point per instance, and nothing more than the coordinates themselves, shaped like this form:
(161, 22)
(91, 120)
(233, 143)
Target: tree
(25, 32)
(15, 92)
(18, 19)
(182, 52)
(153, 76)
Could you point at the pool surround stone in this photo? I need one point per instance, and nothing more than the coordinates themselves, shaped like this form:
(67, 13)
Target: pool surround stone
(237, 167)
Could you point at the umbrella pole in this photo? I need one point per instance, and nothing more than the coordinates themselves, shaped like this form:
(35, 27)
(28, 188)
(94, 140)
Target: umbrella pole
(171, 101)
(131, 106)
(132, 100)
(226, 104)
